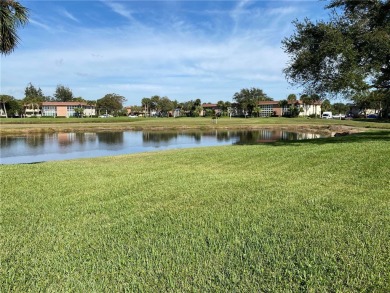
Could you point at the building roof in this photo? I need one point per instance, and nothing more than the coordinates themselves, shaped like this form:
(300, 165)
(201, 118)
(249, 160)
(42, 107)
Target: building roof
(276, 103)
(207, 105)
(65, 104)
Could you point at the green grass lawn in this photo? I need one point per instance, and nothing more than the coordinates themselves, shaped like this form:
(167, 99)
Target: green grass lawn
(309, 216)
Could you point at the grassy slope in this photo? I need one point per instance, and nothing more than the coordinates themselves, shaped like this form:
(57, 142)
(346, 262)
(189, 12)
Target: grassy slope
(310, 216)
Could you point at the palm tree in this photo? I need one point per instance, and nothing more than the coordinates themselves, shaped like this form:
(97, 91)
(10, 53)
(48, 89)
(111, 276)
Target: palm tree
(12, 15)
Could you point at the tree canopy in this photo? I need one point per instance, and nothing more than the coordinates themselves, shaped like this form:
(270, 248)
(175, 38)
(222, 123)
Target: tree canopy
(347, 54)
(63, 94)
(12, 15)
(248, 99)
(112, 103)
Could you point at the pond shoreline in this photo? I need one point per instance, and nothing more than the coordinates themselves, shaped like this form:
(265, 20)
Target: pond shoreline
(25, 129)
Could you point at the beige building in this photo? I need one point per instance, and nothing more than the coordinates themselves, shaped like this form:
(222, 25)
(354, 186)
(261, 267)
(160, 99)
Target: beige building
(67, 109)
(274, 108)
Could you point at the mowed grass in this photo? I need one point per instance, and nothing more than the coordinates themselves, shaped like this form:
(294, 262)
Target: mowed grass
(309, 216)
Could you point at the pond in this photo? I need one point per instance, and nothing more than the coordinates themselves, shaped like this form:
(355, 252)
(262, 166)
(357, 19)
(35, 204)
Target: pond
(63, 146)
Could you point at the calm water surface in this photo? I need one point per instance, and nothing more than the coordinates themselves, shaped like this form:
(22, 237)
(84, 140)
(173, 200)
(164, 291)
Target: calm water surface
(64, 146)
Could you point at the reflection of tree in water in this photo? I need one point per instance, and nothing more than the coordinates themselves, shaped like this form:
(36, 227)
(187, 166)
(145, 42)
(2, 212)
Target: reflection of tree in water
(247, 137)
(8, 141)
(163, 136)
(80, 137)
(265, 135)
(110, 137)
(225, 135)
(197, 136)
(35, 140)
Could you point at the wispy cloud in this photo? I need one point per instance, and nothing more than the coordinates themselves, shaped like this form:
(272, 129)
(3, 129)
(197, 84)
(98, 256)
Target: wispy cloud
(67, 14)
(192, 51)
(119, 9)
(40, 25)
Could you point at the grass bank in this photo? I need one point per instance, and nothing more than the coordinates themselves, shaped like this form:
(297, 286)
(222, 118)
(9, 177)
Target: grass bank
(35, 125)
(287, 217)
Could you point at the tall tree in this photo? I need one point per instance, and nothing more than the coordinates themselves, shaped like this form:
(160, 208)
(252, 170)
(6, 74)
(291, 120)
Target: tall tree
(33, 95)
(165, 105)
(307, 101)
(63, 94)
(110, 103)
(248, 99)
(292, 98)
(325, 106)
(146, 103)
(4, 99)
(12, 15)
(347, 54)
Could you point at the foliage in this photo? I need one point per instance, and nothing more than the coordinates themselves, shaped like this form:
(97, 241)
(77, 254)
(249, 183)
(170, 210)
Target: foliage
(339, 108)
(12, 16)
(34, 95)
(63, 94)
(349, 53)
(378, 99)
(325, 106)
(248, 99)
(164, 105)
(79, 112)
(169, 222)
(10, 106)
(292, 97)
(112, 103)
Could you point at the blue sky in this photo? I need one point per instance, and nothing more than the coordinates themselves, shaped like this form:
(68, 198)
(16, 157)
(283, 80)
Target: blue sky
(180, 49)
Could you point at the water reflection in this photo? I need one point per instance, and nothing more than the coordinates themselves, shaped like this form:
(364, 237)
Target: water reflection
(61, 146)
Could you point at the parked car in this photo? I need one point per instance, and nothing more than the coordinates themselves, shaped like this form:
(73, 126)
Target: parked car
(327, 115)
(372, 116)
(105, 116)
(133, 116)
(339, 116)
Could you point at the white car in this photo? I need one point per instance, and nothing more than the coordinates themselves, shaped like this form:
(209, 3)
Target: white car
(327, 115)
(133, 116)
(105, 116)
(339, 116)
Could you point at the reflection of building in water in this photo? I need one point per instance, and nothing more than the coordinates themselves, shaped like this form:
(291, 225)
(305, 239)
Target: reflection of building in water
(267, 135)
(65, 138)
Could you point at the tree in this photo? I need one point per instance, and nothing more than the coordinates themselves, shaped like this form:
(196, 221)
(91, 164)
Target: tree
(31, 93)
(283, 104)
(4, 99)
(10, 106)
(347, 54)
(307, 101)
(248, 99)
(379, 100)
(326, 106)
(292, 98)
(12, 15)
(63, 94)
(165, 105)
(146, 103)
(339, 108)
(79, 112)
(110, 103)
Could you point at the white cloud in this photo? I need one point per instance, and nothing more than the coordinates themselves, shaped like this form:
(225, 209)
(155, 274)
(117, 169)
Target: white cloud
(119, 9)
(208, 59)
(67, 14)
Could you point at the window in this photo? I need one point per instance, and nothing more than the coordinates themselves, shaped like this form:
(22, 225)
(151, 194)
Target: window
(267, 110)
(50, 111)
